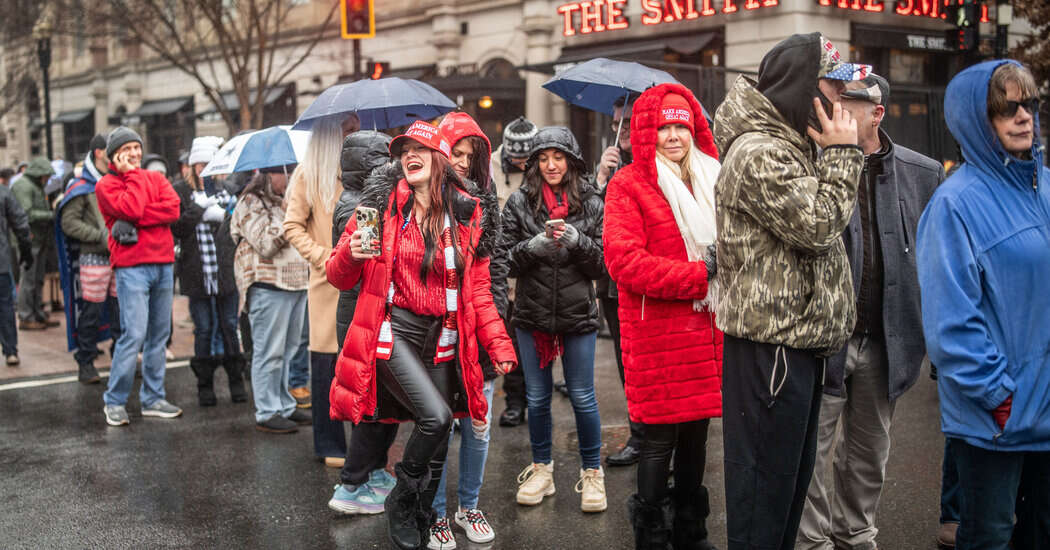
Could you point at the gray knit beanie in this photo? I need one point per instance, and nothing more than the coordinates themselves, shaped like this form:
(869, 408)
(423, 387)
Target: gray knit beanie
(118, 137)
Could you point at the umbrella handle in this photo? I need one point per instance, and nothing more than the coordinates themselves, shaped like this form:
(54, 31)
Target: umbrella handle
(619, 126)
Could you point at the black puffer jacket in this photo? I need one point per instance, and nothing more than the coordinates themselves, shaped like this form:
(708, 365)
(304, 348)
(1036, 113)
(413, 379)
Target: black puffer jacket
(188, 267)
(555, 294)
(362, 153)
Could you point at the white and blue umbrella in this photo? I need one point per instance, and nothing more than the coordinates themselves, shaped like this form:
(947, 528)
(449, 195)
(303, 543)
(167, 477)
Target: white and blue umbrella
(379, 104)
(275, 146)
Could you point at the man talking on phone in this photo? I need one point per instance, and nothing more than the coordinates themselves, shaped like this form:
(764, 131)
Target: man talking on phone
(787, 189)
(138, 207)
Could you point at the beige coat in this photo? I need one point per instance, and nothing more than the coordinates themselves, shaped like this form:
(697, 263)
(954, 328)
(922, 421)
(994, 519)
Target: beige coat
(310, 232)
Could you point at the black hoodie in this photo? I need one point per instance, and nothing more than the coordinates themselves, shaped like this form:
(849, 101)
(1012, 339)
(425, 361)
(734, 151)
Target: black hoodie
(787, 77)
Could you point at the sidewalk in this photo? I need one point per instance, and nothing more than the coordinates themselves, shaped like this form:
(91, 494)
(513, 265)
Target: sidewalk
(43, 352)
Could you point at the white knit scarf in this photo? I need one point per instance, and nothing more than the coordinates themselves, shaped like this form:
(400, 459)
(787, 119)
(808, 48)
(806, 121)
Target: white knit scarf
(693, 212)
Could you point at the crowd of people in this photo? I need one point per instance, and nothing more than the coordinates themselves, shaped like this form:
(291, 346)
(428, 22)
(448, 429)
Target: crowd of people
(785, 266)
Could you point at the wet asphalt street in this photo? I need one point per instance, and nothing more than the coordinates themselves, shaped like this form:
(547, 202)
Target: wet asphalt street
(210, 480)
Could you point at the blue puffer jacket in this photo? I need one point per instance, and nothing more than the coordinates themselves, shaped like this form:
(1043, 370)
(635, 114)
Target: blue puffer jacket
(984, 263)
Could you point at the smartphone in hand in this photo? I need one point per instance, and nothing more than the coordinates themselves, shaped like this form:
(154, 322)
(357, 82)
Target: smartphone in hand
(368, 220)
(829, 110)
(553, 225)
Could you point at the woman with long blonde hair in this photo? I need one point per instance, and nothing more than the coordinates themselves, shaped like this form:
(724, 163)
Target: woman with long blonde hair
(313, 192)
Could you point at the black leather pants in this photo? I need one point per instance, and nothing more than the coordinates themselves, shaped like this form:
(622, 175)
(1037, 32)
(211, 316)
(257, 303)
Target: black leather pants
(687, 443)
(423, 388)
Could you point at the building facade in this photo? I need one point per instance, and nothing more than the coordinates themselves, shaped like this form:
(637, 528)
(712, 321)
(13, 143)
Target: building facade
(492, 57)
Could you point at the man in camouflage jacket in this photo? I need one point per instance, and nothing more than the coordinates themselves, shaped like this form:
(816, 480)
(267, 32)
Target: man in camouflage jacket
(784, 196)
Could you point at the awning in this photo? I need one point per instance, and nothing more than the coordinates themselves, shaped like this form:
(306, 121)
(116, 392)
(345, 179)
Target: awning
(233, 104)
(162, 106)
(71, 117)
(631, 51)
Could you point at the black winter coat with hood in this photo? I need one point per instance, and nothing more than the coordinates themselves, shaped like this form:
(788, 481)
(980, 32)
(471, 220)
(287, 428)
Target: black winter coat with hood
(189, 265)
(555, 294)
(362, 153)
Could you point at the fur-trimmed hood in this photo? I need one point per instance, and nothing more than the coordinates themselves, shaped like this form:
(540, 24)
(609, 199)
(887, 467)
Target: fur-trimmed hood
(381, 183)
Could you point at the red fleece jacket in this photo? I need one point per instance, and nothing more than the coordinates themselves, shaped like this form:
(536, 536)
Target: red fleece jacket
(147, 201)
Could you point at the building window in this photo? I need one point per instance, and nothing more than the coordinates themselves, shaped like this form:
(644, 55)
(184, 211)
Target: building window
(908, 67)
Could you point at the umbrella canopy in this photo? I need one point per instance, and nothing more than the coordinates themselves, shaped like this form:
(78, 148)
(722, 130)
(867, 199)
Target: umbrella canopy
(380, 104)
(597, 84)
(276, 146)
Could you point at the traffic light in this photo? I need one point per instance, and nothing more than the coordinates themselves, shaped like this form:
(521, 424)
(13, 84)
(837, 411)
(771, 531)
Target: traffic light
(378, 69)
(964, 14)
(359, 18)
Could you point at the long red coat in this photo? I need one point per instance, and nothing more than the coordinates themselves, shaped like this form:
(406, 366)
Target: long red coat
(672, 355)
(353, 394)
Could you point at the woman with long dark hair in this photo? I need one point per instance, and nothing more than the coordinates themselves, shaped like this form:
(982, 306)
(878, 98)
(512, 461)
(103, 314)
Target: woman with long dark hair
(660, 232)
(424, 307)
(552, 232)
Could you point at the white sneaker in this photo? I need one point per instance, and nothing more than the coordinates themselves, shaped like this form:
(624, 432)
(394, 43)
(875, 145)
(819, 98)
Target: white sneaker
(475, 525)
(441, 536)
(535, 482)
(592, 488)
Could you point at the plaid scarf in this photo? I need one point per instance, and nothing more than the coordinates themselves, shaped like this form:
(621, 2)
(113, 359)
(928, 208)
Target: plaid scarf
(206, 243)
(446, 346)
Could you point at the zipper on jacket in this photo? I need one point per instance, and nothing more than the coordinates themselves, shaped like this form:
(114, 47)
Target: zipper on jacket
(904, 226)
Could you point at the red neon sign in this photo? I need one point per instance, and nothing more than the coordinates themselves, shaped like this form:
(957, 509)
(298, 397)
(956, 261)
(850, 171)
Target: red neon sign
(918, 8)
(591, 16)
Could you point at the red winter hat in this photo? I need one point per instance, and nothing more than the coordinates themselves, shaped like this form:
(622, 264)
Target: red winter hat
(675, 109)
(429, 136)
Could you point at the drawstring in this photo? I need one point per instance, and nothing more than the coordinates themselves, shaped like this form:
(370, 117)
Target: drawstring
(773, 375)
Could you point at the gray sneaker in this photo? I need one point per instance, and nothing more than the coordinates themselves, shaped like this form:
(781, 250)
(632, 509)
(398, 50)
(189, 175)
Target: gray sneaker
(162, 409)
(116, 415)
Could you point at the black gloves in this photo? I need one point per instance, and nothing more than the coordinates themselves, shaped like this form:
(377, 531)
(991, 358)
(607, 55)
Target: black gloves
(25, 254)
(124, 233)
(710, 262)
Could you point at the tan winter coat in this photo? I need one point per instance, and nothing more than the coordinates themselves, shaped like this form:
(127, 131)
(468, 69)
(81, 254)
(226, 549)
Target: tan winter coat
(309, 229)
(781, 212)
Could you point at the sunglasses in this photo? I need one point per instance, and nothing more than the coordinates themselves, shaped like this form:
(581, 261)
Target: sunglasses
(1031, 105)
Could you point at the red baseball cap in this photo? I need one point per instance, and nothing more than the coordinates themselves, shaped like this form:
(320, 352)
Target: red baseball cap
(427, 135)
(675, 109)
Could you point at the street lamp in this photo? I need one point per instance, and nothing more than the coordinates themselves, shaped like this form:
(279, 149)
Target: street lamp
(42, 31)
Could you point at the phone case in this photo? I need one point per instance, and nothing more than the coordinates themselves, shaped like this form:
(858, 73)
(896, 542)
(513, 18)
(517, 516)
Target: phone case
(368, 219)
(553, 225)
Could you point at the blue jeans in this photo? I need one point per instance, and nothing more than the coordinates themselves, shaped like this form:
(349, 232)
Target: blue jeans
(989, 482)
(578, 367)
(277, 326)
(214, 323)
(299, 373)
(145, 293)
(8, 331)
(472, 455)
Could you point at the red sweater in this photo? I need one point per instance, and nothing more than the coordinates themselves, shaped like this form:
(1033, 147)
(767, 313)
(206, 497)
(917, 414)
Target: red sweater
(410, 291)
(147, 201)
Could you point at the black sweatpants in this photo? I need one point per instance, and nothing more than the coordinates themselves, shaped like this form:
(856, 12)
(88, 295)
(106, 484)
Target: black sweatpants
(771, 404)
(369, 445)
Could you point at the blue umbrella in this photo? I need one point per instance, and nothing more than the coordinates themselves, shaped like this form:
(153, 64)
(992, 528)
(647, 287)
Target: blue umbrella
(276, 146)
(597, 84)
(380, 104)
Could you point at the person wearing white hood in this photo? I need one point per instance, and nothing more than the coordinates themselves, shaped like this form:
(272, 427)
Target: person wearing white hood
(205, 272)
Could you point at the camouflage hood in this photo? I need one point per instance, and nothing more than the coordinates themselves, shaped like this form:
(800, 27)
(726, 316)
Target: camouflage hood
(781, 212)
(745, 110)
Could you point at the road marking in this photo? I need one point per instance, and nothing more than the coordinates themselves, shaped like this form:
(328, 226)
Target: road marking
(72, 378)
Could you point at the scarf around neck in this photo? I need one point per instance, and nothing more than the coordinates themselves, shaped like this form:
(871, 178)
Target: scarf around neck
(694, 212)
(557, 204)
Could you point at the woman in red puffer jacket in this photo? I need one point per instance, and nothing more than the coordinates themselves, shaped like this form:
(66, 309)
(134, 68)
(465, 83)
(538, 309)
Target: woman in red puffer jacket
(425, 305)
(659, 249)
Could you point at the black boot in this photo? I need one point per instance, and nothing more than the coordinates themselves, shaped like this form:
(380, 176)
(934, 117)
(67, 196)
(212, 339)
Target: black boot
(88, 374)
(234, 365)
(403, 509)
(204, 368)
(689, 530)
(651, 524)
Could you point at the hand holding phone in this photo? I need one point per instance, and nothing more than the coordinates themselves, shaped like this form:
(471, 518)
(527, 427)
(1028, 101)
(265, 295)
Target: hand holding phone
(366, 238)
(839, 129)
(554, 226)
